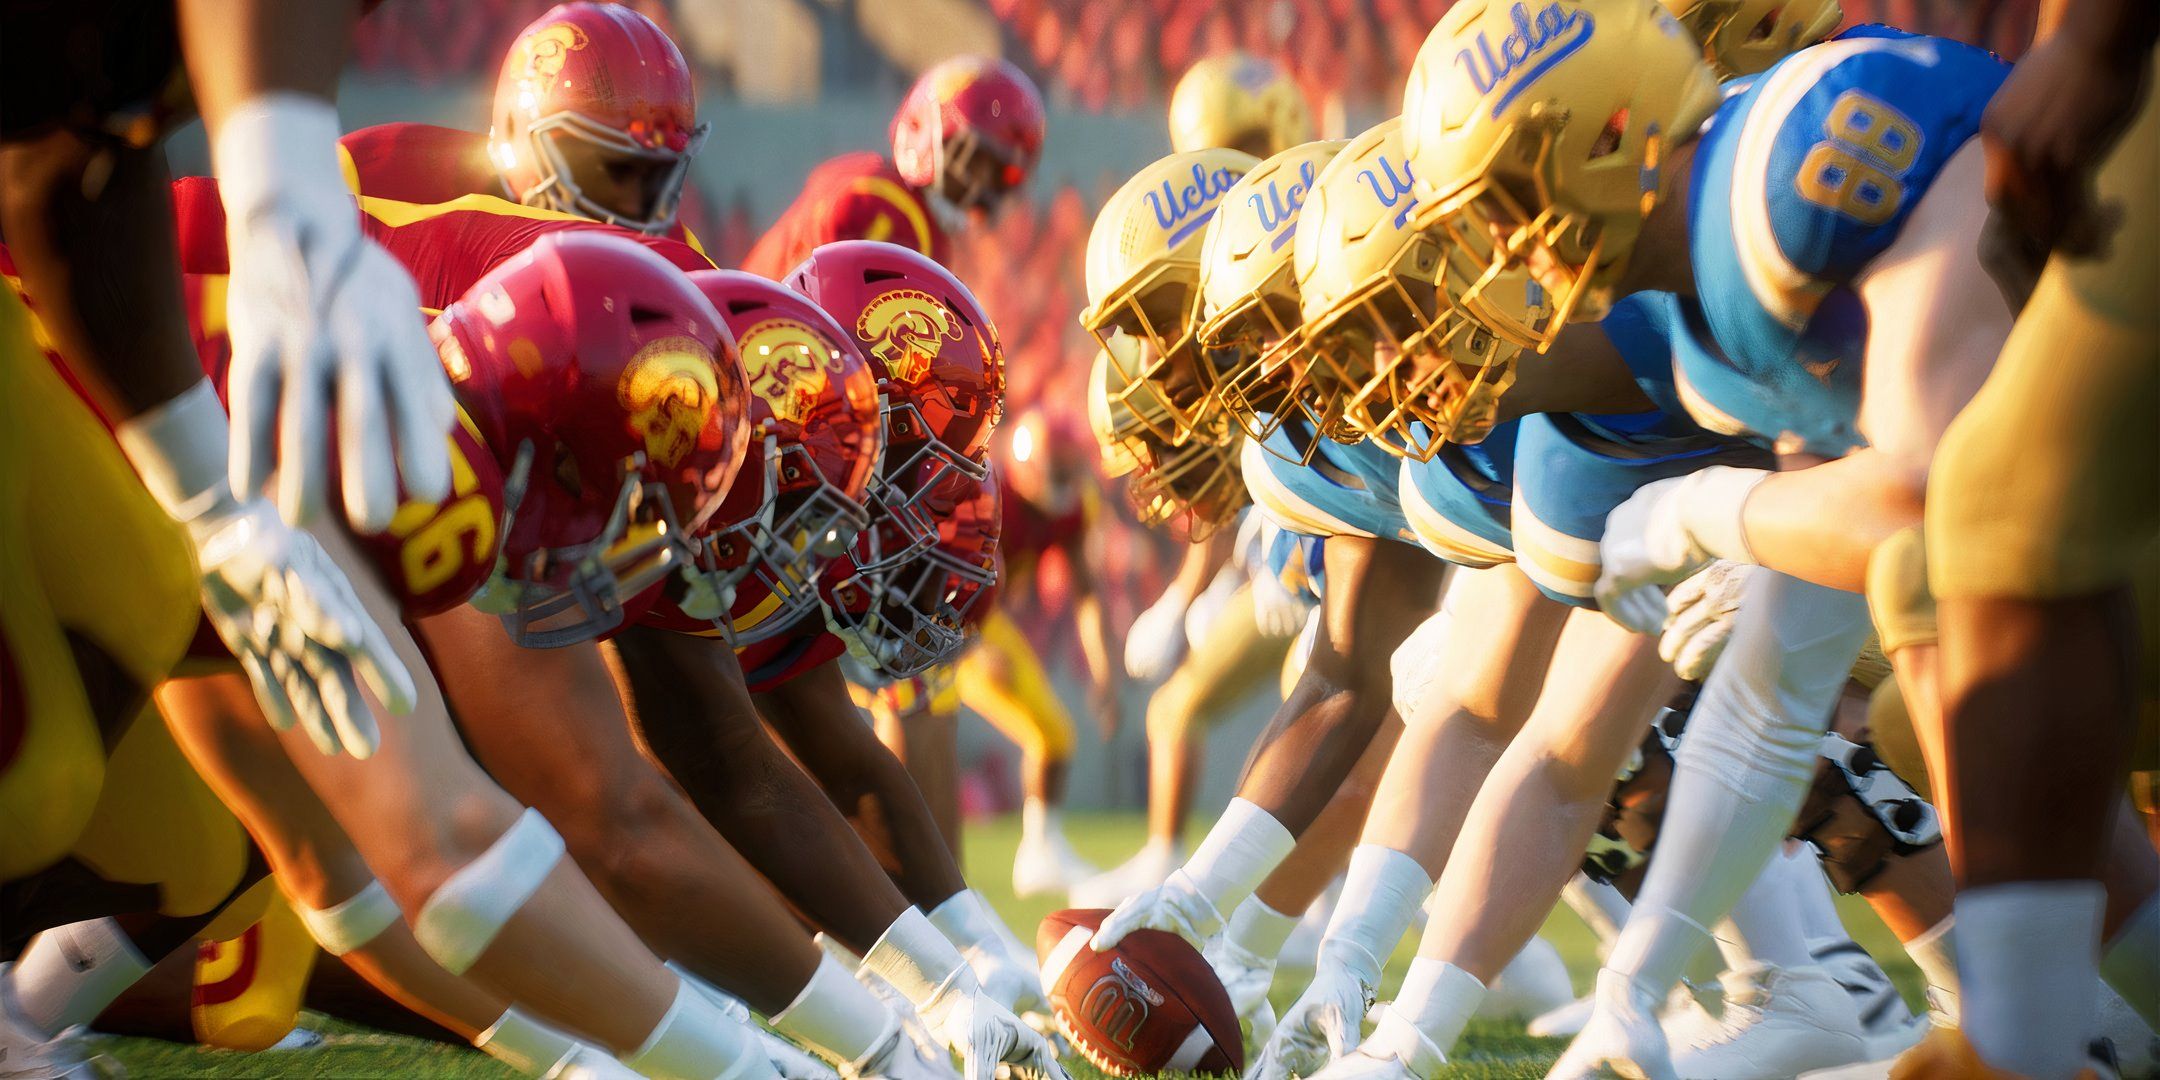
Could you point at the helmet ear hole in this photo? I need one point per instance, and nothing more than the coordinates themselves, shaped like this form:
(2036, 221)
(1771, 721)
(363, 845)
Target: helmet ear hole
(1608, 140)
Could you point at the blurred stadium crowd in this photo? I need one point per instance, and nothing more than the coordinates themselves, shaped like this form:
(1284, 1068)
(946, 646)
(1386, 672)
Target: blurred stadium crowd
(1090, 56)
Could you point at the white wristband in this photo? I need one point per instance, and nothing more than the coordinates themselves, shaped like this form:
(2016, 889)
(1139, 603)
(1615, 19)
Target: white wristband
(1380, 898)
(1246, 845)
(915, 958)
(1713, 508)
(966, 920)
(277, 146)
(835, 1015)
(178, 449)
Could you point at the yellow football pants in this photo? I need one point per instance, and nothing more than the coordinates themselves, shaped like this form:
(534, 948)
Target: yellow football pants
(1004, 681)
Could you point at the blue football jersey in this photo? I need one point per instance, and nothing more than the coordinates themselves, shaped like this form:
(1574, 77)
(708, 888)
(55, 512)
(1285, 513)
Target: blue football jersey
(1803, 177)
(1344, 490)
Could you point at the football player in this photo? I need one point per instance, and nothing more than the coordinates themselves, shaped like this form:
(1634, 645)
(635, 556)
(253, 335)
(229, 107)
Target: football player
(593, 115)
(1885, 222)
(1241, 102)
(966, 138)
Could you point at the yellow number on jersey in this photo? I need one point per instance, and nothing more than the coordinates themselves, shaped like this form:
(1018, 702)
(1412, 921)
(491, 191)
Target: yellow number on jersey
(439, 544)
(1858, 171)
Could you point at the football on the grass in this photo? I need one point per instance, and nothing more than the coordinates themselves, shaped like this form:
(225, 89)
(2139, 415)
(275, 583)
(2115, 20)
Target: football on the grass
(1149, 1005)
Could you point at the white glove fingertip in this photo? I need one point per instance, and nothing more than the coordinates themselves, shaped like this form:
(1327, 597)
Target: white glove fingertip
(303, 454)
(366, 467)
(269, 694)
(254, 394)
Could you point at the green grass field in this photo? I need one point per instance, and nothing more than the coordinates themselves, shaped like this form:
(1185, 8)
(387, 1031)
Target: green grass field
(1489, 1049)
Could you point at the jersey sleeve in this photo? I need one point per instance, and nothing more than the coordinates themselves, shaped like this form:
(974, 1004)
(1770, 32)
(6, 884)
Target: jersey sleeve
(874, 207)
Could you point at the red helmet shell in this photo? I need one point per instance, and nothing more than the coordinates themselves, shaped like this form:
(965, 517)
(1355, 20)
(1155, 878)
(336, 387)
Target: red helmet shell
(917, 615)
(615, 371)
(436, 555)
(975, 104)
(602, 73)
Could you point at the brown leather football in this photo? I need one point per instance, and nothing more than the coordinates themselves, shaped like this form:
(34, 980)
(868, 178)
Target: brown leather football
(1148, 1006)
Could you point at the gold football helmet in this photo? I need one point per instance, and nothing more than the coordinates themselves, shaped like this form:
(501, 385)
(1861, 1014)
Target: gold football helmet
(1248, 295)
(1143, 283)
(1388, 358)
(1744, 37)
(1537, 141)
(1196, 488)
(1241, 101)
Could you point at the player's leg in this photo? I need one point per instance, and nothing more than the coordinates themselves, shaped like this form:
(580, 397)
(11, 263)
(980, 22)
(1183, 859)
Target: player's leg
(1229, 665)
(1003, 681)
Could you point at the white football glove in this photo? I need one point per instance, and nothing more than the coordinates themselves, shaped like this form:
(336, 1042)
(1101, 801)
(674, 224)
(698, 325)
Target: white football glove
(919, 962)
(1702, 609)
(1277, 610)
(325, 327)
(1176, 905)
(1396, 1051)
(1207, 608)
(1622, 1037)
(1247, 977)
(281, 605)
(1327, 1021)
(1156, 641)
(1666, 531)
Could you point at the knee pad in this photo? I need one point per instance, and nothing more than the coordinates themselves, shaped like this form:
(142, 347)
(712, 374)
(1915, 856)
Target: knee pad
(353, 922)
(1625, 838)
(1897, 592)
(1859, 815)
(461, 920)
(1759, 722)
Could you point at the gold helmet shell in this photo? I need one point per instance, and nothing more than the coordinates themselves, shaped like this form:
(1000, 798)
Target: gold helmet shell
(1745, 37)
(1143, 281)
(1538, 131)
(1248, 293)
(1241, 101)
(1197, 488)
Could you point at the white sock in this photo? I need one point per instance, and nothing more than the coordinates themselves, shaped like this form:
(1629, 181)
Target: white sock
(1438, 999)
(2029, 952)
(66, 976)
(1599, 906)
(524, 1043)
(1259, 929)
(1038, 821)
(1380, 898)
(1765, 925)
(1245, 844)
(2131, 963)
(1934, 952)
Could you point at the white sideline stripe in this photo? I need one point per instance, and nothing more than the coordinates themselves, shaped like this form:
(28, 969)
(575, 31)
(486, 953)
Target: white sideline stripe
(1060, 958)
(1196, 1045)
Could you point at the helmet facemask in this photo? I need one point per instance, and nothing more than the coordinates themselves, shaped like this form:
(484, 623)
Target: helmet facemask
(1159, 380)
(804, 521)
(901, 523)
(1255, 348)
(594, 146)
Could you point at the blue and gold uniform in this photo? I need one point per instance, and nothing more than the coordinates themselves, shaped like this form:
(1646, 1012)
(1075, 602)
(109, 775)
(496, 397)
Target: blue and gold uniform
(1459, 503)
(1803, 177)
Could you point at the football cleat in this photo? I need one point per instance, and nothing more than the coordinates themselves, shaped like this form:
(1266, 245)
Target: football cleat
(1886, 1023)
(1777, 1022)
(1048, 866)
(1532, 984)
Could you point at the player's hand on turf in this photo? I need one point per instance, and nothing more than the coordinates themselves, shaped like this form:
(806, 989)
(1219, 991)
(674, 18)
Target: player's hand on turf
(290, 616)
(1326, 1022)
(2045, 132)
(1703, 607)
(987, 1036)
(326, 329)
(1009, 982)
(1156, 641)
(1622, 1036)
(1176, 905)
(1277, 610)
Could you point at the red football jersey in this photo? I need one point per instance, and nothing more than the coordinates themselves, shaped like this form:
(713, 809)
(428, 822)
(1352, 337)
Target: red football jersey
(856, 196)
(423, 163)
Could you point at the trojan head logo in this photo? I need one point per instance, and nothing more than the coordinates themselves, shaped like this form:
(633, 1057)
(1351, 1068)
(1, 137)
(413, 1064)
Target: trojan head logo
(1118, 1004)
(903, 328)
(669, 390)
(542, 55)
(789, 364)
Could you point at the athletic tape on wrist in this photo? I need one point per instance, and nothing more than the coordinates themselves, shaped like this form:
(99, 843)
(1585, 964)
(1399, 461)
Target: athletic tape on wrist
(693, 1039)
(1437, 1001)
(178, 448)
(351, 924)
(965, 919)
(1259, 929)
(461, 920)
(528, 1045)
(1246, 844)
(1714, 510)
(916, 959)
(836, 1016)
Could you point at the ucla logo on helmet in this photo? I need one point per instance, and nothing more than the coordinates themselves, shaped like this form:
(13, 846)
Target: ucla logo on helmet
(1279, 204)
(1184, 209)
(903, 329)
(1390, 181)
(1537, 43)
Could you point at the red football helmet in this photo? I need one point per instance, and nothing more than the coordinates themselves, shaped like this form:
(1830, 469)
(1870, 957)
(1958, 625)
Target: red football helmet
(906, 621)
(940, 367)
(970, 130)
(816, 439)
(594, 116)
(615, 402)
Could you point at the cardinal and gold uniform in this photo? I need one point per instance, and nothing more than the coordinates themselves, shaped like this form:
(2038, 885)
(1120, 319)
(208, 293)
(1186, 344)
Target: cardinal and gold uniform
(858, 196)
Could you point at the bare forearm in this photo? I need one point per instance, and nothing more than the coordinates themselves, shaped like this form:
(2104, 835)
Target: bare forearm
(238, 49)
(1821, 523)
(1095, 640)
